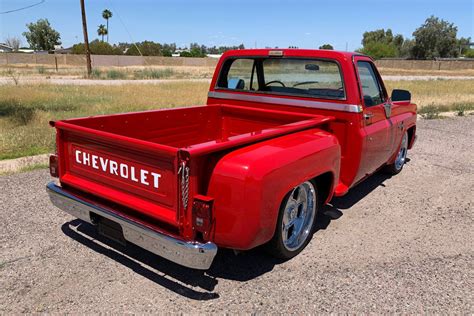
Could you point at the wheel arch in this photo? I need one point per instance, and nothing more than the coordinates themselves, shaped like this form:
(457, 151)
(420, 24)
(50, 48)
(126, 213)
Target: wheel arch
(411, 136)
(325, 186)
(248, 185)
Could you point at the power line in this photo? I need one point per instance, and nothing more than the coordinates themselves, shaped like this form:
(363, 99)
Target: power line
(24, 8)
(126, 29)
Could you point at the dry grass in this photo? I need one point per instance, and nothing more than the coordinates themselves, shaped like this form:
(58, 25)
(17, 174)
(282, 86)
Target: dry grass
(424, 72)
(25, 110)
(173, 72)
(443, 94)
(132, 72)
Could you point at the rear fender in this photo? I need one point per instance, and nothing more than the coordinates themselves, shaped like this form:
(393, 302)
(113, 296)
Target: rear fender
(249, 184)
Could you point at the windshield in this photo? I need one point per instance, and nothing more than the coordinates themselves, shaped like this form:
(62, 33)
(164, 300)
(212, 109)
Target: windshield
(304, 77)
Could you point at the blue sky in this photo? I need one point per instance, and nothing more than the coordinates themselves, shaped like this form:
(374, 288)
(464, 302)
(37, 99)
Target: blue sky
(304, 23)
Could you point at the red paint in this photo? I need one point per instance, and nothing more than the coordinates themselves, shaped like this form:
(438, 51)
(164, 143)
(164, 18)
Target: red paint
(243, 155)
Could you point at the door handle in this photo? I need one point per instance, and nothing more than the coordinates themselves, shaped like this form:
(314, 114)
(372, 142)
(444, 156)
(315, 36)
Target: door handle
(368, 115)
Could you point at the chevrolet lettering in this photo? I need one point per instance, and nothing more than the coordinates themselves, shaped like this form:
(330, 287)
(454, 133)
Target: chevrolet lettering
(123, 170)
(281, 134)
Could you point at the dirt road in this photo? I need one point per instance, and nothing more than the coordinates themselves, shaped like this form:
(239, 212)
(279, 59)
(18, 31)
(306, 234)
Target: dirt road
(401, 244)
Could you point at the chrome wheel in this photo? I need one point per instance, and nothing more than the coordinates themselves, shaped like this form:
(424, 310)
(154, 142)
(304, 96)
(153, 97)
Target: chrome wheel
(402, 153)
(298, 216)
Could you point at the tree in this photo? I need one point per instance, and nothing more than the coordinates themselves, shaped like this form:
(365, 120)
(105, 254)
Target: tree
(379, 50)
(469, 53)
(97, 48)
(146, 48)
(107, 14)
(13, 42)
(406, 49)
(41, 36)
(435, 38)
(379, 36)
(463, 45)
(102, 31)
(380, 43)
(326, 46)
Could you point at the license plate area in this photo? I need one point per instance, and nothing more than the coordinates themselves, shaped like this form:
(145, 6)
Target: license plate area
(109, 229)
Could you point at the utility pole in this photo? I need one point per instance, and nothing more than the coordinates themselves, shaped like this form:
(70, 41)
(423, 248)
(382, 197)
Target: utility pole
(86, 39)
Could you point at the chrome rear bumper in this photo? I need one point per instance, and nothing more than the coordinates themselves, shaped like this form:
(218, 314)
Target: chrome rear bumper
(189, 254)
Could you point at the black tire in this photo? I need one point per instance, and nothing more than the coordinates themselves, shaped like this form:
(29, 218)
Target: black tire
(276, 246)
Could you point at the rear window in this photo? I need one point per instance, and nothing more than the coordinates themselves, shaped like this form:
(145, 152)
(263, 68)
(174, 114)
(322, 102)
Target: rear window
(303, 77)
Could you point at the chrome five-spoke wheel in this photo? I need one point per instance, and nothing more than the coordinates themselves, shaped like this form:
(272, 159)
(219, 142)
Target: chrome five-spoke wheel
(296, 220)
(298, 216)
(401, 158)
(402, 153)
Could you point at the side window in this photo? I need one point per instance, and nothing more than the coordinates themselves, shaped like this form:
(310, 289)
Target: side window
(372, 92)
(241, 76)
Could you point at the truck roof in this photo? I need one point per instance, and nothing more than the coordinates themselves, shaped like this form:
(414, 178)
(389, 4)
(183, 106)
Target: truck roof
(291, 52)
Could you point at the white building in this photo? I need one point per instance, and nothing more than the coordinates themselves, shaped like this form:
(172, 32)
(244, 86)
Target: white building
(4, 48)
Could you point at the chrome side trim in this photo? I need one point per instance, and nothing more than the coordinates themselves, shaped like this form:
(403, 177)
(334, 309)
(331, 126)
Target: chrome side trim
(190, 254)
(353, 108)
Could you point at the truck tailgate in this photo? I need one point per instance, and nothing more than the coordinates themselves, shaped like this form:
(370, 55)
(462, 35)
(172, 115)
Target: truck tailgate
(130, 172)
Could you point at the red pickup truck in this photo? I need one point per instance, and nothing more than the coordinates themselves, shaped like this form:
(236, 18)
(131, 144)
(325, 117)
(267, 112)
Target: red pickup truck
(283, 132)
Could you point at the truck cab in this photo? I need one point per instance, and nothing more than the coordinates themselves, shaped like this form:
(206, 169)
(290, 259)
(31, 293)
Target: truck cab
(283, 131)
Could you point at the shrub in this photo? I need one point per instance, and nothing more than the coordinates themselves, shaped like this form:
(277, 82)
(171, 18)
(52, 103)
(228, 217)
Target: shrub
(16, 112)
(469, 53)
(41, 70)
(430, 112)
(462, 108)
(154, 73)
(96, 73)
(115, 74)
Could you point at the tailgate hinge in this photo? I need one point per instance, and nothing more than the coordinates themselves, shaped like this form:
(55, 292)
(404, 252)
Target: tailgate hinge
(184, 171)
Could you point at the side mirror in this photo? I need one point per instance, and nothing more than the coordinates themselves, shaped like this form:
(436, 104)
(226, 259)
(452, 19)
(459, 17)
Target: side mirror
(235, 83)
(401, 95)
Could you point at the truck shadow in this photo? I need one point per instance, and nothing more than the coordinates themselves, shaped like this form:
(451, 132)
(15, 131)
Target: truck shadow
(200, 285)
(355, 194)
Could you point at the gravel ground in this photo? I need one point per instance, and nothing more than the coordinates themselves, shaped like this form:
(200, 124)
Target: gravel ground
(401, 244)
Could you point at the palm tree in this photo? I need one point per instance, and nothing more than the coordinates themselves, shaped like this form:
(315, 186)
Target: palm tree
(102, 31)
(107, 14)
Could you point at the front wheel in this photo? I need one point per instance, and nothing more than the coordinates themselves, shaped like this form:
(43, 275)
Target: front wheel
(295, 221)
(401, 158)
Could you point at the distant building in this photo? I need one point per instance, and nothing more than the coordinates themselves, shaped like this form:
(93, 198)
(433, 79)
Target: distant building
(63, 50)
(214, 55)
(4, 48)
(26, 50)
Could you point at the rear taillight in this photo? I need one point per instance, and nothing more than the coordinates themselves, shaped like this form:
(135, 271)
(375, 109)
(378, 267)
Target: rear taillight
(202, 214)
(53, 166)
